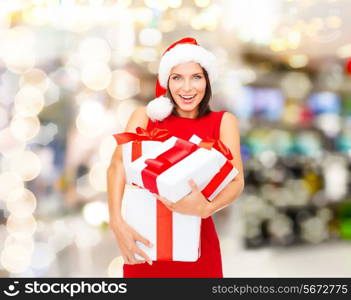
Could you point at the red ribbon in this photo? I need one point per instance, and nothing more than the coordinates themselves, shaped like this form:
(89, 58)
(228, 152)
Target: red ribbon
(164, 161)
(215, 182)
(209, 143)
(217, 179)
(141, 134)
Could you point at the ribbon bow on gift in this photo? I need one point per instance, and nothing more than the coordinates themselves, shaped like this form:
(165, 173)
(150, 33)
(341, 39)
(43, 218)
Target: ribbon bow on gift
(164, 161)
(210, 143)
(142, 134)
(156, 134)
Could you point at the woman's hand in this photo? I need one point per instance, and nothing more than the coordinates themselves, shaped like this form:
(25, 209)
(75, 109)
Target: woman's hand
(193, 204)
(126, 238)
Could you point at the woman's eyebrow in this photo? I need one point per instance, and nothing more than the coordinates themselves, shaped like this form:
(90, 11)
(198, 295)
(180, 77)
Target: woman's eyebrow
(192, 74)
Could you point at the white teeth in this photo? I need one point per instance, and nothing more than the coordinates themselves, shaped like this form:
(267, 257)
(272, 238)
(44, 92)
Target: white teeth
(187, 98)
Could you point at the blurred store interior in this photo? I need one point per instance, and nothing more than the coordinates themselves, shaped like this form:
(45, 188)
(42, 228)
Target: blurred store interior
(71, 73)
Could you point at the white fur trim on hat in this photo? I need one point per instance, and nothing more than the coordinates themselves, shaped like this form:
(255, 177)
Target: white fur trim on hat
(182, 53)
(159, 108)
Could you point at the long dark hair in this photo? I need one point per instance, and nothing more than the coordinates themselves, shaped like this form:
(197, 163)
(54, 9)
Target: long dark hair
(204, 106)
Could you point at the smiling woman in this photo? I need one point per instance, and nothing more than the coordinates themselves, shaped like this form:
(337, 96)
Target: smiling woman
(185, 73)
(189, 89)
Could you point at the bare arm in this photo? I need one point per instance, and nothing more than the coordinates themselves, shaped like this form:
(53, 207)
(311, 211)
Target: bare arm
(125, 235)
(115, 172)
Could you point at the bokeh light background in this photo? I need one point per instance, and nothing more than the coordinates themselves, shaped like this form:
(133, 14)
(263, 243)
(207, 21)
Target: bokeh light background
(71, 73)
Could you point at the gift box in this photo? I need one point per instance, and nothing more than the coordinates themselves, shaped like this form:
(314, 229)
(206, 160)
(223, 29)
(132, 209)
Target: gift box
(167, 168)
(164, 168)
(175, 237)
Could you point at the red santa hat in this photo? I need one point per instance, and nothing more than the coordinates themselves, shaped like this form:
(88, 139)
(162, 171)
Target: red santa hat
(184, 50)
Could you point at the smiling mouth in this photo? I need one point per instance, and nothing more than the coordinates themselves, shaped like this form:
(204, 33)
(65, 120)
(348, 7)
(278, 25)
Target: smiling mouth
(187, 99)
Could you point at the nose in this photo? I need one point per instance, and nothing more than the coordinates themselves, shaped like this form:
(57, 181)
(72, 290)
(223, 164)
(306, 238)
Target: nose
(187, 84)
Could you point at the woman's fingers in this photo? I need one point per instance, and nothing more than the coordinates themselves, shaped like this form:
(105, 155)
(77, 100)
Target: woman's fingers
(165, 201)
(193, 185)
(145, 241)
(126, 259)
(131, 260)
(144, 255)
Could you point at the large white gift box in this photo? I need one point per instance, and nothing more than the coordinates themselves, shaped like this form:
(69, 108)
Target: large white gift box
(174, 236)
(145, 214)
(156, 170)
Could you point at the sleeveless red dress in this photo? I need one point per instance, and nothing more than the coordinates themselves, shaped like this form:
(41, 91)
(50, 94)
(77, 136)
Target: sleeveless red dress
(210, 262)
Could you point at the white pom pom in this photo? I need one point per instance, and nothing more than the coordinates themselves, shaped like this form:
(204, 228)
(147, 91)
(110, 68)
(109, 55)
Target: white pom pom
(159, 108)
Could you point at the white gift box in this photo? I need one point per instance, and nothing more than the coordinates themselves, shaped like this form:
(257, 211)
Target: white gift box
(201, 166)
(140, 212)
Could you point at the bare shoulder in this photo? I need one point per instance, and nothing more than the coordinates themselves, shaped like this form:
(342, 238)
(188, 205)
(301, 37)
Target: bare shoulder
(138, 118)
(229, 123)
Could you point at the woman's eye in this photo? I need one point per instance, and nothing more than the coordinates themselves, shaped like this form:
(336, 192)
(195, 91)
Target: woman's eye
(198, 76)
(175, 77)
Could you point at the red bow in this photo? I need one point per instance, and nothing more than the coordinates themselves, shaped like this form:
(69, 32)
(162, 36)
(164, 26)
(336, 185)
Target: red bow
(142, 134)
(210, 143)
(164, 161)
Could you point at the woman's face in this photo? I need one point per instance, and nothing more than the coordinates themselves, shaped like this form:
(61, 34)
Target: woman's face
(187, 84)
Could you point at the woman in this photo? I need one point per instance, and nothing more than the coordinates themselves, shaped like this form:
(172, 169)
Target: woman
(185, 73)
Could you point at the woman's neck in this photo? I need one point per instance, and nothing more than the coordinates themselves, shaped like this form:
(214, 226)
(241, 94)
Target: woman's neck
(187, 114)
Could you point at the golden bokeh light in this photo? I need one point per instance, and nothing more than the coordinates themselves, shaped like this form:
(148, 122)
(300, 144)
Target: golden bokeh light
(125, 109)
(96, 76)
(15, 259)
(36, 78)
(96, 213)
(278, 44)
(142, 15)
(150, 37)
(91, 121)
(298, 60)
(9, 182)
(17, 49)
(115, 268)
(29, 101)
(25, 128)
(20, 61)
(94, 49)
(24, 242)
(202, 3)
(156, 4)
(21, 203)
(174, 3)
(21, 227)
(123, 85)
(9, 144)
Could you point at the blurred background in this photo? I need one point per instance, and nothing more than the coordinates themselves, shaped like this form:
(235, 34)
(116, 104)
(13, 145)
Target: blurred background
(71, 73)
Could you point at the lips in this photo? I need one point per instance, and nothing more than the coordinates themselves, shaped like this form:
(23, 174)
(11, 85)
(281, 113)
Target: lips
(187, 99)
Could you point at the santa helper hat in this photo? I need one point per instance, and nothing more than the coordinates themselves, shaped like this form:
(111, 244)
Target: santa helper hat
(184, 50)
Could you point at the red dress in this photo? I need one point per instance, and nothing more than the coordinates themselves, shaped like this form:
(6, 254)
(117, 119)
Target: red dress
(210, 262)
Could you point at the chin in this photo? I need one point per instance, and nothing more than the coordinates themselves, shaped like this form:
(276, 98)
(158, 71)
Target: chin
(188, 108)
